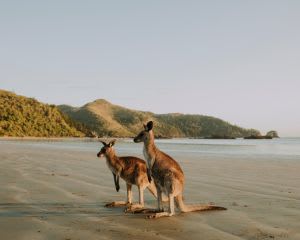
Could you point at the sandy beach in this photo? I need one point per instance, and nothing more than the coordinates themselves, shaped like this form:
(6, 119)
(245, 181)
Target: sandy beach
(59, 193)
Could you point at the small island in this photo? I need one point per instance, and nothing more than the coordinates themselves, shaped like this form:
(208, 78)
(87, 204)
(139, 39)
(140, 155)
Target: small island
(270, 135)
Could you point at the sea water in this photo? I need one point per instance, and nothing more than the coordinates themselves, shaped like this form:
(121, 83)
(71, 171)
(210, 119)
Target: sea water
(277, 148)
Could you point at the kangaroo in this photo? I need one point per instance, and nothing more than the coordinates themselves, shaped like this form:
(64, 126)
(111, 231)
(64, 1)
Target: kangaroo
(167, 175)
(132, 170)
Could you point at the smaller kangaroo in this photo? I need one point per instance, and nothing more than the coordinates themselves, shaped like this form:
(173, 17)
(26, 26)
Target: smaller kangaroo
(167, 175)
(132, 170)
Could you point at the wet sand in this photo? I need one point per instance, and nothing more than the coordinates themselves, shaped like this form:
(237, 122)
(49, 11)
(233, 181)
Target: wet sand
(57, 193)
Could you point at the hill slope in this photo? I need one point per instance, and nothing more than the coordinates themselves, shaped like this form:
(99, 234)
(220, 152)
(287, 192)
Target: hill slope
(106, 119)
(21, 116)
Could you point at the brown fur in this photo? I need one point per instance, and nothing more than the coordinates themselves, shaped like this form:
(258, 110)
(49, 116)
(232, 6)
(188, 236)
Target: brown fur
(132, 170)
(167, 174)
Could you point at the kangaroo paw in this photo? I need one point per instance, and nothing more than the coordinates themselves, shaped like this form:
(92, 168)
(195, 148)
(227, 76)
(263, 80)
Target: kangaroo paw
(134, 208)
(159, 215)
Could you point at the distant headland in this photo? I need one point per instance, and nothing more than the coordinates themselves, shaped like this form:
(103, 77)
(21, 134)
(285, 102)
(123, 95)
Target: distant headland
(26, 117)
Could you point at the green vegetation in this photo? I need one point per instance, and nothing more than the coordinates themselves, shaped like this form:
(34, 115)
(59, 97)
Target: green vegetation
(272, 134)
(102, 118)
(269, 135)
(196, 126)
(105, 119)
(21, 116)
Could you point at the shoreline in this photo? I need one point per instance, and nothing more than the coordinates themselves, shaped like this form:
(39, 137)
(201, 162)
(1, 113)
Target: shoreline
(60, 138)
(56, 193)
(124, 138)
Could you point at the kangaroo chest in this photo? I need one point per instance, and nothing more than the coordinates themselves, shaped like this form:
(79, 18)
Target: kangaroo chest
(146, 155)
(114, 167)
(155, 170)
(150, 157)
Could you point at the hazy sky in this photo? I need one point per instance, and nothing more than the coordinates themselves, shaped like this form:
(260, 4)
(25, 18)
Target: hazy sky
(237, 60)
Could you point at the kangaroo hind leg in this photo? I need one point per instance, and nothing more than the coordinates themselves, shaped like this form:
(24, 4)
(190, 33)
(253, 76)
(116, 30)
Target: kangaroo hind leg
(170, 213)
(122, 203)
(135, 207)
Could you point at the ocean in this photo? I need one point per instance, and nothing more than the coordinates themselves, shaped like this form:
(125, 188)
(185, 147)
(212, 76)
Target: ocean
(279, 148)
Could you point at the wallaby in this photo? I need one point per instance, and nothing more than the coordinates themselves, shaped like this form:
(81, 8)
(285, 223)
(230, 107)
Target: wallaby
(167, 175)
(132, 170)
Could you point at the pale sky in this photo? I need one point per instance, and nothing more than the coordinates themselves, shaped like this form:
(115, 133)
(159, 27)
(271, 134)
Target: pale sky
(236, 60)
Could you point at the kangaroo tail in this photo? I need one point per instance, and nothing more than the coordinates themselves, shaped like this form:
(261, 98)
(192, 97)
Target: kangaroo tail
(152, 189)
(193, 208)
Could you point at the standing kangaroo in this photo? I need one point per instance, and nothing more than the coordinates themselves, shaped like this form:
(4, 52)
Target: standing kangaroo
(167, 175)
(132, 170)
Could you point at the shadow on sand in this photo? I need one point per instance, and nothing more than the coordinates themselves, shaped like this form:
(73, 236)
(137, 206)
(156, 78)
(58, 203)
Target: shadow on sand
(56, 209)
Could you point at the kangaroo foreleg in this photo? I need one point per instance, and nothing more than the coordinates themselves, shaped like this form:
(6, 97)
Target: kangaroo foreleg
(116, 180)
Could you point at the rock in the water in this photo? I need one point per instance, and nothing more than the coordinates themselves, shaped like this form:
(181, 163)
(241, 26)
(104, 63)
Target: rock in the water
(272, 134)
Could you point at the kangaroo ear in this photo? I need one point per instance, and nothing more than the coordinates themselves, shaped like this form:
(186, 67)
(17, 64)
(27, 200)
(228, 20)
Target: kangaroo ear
(149, 126)
(112, 143)
(104, 143)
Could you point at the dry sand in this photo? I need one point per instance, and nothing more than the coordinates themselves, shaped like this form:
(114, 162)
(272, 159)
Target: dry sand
(57, 193)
